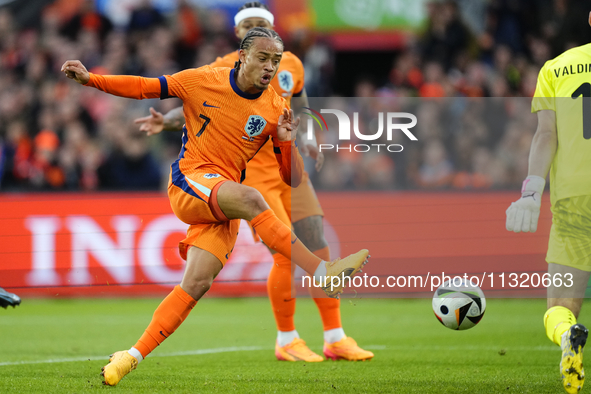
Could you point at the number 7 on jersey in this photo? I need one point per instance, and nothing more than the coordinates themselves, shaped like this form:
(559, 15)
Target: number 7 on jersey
(202, 129)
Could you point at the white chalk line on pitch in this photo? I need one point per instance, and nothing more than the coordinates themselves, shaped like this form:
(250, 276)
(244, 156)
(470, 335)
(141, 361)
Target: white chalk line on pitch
(173, 354)
(549, 348)
(253, 348)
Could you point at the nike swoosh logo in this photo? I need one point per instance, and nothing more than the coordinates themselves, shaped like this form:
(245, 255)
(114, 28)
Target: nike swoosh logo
(294, 241)
(161, 333)
(207, 105)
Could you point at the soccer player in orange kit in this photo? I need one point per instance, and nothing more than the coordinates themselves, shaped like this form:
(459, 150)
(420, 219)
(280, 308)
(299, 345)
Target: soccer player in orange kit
(230, 114)
(300, 207)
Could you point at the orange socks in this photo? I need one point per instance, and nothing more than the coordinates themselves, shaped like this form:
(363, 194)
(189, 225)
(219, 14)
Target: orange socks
(276, 235)
(329, 308)
(330, 312)
(279, 290)
(283, 304)
(169, 315)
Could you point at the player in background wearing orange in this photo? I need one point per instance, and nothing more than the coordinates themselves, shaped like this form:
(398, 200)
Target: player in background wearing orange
(230, 114)
(300, 207)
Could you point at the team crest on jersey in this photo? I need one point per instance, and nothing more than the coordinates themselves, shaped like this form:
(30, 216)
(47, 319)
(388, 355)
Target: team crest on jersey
(209, 176)
(255, 125)
(285, 80)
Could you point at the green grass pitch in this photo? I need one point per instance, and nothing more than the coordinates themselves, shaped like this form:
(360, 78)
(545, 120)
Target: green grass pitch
(226, 345)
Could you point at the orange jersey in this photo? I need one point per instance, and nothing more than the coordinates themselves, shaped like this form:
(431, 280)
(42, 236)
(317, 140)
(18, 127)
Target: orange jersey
(288, 82)
(225, 127)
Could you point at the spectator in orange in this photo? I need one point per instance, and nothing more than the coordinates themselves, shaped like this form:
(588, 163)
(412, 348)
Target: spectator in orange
(188, 32)
(17, 153)
(45, 173)
(433, 76)
(406, 74)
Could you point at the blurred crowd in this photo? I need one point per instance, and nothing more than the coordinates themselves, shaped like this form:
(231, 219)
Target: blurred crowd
(463, 143)
(57, 135)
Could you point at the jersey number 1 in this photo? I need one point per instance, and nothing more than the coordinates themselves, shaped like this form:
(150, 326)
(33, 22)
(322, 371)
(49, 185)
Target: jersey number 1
(585, 91)
(202, 129)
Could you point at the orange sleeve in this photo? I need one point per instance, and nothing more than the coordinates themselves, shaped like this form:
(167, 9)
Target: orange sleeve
(298, 77)
(291, 164)
(129, 86)
(183, 83)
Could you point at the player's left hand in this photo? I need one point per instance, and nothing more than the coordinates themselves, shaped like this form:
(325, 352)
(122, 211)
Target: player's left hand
(524, 213)
(287, 127)
(313, 151)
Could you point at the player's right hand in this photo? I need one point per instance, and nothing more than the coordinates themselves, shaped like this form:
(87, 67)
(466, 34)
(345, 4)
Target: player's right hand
(74, 69)
(152, 124)
(524, 213)
(287, 127)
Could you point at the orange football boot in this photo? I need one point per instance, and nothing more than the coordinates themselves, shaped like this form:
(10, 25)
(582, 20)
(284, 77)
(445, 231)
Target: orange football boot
(296, 350)
(120, 364)
(346, 349)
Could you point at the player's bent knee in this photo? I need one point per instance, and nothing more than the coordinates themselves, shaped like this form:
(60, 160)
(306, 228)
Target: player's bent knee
(255, 203)
(240, 201)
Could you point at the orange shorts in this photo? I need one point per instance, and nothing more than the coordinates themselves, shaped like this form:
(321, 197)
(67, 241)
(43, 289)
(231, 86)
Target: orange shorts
(193, 198)
(304, 202)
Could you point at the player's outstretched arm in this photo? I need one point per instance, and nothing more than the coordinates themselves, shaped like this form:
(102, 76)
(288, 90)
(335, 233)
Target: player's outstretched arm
(291, 164)
(524, 213)
(156, 122)
(310, 147)
(129, 86)
(174, 119)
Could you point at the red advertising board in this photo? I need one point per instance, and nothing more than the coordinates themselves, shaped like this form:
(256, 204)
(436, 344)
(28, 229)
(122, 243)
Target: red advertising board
(116, 244)
(107, 245)
(434, 234)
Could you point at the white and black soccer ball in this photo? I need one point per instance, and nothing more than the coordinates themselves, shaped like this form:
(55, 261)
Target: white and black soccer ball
(459, 305)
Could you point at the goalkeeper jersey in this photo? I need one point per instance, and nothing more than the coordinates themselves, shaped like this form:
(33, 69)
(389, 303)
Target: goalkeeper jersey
(564, 86)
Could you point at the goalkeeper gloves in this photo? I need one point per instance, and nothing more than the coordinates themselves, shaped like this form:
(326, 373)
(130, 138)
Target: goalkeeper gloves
(524, 213)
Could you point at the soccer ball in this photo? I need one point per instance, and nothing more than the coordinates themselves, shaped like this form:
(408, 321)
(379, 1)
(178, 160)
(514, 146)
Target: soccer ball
(459, 305)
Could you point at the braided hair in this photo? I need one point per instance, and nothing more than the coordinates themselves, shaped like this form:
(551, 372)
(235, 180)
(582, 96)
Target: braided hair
(253, 4)
(253, 33)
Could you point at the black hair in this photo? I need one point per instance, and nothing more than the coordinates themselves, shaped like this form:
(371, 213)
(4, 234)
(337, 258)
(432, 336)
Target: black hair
(253, 33)
(253, 4)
